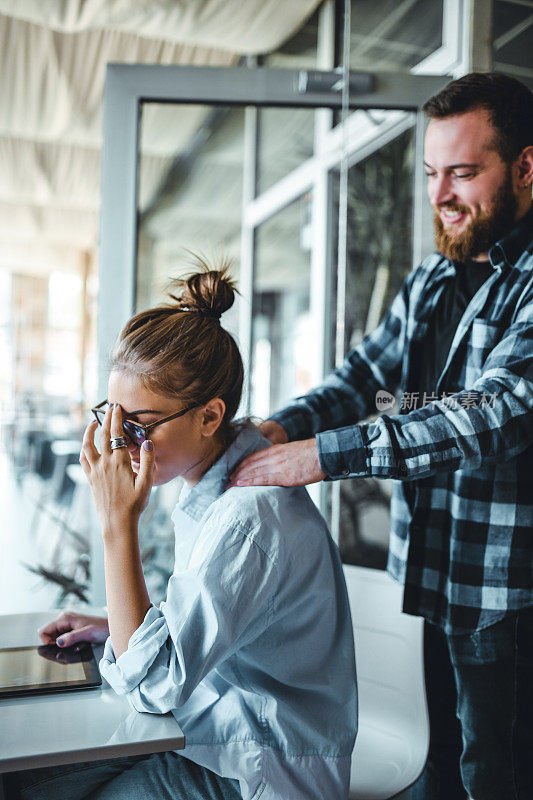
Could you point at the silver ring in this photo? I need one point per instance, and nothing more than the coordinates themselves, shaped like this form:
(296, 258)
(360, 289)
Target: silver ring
(118, 441)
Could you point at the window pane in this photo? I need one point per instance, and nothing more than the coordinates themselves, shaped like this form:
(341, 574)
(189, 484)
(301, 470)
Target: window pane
(392, 35)
(285, 141)
(513, 40)
(379, 247)
(380, 198)
(282, 342)
(190, 191)
(48, 378)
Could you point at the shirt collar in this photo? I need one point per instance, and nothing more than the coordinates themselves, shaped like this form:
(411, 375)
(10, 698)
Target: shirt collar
(196, 500)
(507, 251)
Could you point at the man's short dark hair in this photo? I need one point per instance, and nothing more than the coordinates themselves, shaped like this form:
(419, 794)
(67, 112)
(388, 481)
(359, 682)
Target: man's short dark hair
(508, 102)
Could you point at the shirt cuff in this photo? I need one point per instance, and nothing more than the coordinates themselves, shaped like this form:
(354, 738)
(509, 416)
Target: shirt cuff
(342, 453)
(126, 672)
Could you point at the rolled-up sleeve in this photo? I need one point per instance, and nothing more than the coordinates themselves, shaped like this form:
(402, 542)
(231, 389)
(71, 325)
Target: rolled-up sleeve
(144, 647)
(441, 437)
(491, 421)
(209, 612)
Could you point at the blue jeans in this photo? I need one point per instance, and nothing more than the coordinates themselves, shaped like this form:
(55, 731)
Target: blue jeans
(480, 701)
(161, 776)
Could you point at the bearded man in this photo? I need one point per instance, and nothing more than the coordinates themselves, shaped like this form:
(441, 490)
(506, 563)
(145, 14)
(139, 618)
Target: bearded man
(460, 331)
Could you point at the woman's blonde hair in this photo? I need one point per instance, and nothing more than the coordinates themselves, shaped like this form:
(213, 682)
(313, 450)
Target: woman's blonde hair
(181, 350)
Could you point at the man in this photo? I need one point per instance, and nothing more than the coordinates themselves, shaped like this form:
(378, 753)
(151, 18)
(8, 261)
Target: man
(460, 334)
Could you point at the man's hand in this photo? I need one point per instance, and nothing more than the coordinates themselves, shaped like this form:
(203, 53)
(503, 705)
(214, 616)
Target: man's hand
(293, 464)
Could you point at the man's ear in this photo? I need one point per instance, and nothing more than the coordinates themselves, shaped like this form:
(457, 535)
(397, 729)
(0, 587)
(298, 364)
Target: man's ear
(524, 165)
(212, 416)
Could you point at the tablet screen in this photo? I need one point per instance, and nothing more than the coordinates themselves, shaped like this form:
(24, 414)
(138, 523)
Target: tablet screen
(46, 668)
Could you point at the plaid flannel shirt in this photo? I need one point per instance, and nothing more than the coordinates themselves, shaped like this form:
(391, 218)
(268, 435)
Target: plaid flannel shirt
(462, 502)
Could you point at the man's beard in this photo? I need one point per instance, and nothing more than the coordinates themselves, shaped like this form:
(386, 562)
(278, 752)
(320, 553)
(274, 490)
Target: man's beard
(483, 230)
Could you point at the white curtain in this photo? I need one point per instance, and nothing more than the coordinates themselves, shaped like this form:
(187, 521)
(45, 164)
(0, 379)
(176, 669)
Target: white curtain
(53, 55)
(249, 26)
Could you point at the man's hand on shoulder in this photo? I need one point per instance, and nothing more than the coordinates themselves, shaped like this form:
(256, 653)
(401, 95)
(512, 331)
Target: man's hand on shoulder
(292, 464)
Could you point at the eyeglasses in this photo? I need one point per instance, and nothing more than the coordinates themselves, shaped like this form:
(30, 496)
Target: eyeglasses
(135, 431)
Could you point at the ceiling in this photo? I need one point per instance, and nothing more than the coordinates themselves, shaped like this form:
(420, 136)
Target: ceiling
(53, 56)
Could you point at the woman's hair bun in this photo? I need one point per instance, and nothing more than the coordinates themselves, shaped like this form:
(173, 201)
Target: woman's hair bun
(209, 291)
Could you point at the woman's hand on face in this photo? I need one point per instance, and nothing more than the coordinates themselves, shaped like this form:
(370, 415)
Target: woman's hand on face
(70, 628)
(119, 494)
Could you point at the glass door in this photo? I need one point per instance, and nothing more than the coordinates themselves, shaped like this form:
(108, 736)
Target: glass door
(243, 163)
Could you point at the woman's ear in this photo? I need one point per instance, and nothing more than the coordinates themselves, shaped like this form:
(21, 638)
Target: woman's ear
(212, 416)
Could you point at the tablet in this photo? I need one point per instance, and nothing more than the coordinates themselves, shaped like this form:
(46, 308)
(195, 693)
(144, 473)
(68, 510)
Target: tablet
(47, 668)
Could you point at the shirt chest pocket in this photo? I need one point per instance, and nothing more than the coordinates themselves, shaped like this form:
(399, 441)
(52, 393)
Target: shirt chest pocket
(483, 338)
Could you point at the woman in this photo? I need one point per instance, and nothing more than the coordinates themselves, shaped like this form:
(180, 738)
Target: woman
(252, 650)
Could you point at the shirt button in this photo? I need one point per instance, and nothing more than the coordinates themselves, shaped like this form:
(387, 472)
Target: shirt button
(346, 471)
(403, 468)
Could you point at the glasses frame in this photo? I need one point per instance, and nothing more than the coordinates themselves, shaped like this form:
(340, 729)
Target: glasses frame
(145, 428)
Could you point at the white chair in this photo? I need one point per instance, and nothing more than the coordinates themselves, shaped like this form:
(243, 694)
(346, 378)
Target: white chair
(393, 736)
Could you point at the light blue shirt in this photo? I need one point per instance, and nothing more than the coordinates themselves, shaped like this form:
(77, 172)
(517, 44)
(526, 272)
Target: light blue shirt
(252, 651)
